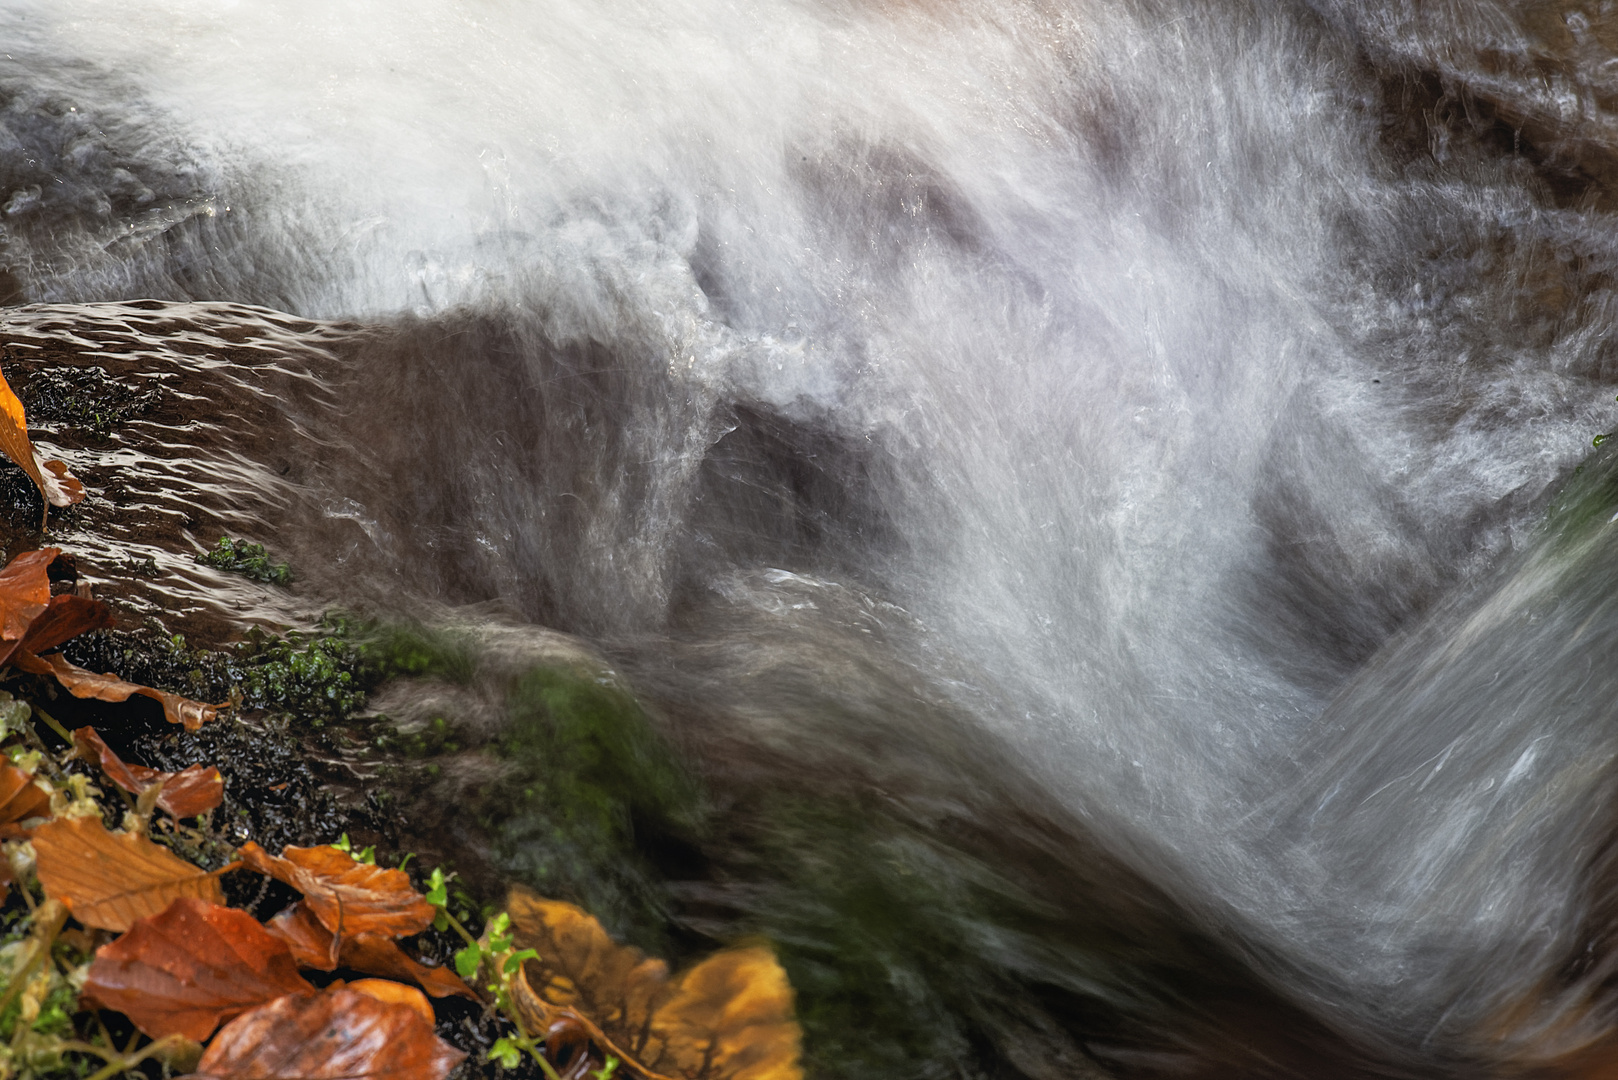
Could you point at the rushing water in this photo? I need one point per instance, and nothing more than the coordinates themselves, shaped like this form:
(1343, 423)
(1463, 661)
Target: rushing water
(1095, 457)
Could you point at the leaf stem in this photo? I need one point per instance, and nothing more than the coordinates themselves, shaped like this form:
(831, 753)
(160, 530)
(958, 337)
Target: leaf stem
(124, 1063)
(91, 1048)
(455, 923)
(538, 1050)
(54, 726)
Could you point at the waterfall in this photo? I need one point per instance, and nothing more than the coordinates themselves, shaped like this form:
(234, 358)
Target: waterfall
(1157, 411)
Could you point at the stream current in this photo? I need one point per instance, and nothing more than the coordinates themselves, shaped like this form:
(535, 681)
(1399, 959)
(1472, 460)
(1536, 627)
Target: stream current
(1105, 470)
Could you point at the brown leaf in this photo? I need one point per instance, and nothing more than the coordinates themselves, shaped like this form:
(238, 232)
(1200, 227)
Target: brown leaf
(348, 897)
(108, 879)
(25, 587)
(338, 1035)
(87, 684)
(66, 617)
(727, 1018)
(398, 994)
(20, 799)
(190, 968)
(185, 794)
(193, 790)
(374, 954)
(60, 487)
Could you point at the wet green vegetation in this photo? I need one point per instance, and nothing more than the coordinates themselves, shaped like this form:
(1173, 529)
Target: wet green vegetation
(249, 560)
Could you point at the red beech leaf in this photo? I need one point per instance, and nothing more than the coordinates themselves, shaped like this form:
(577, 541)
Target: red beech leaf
(192, 967)
(347, 897)
(25, 588)
(82, 683)
(373, 954)
(193, 790)
(310, 942)
(341, 1034)
(185, 794)
(109, 880)
(20, 799)
(66, 617)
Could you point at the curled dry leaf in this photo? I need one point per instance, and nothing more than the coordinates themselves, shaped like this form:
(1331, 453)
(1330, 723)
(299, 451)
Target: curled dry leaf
(348, 897)
(56, 485)
(728, 1018)
(109, 880)
(82, 683)
(373, 954)
(190, 968)
(341, 1034)
(20, 799)
(185, 794)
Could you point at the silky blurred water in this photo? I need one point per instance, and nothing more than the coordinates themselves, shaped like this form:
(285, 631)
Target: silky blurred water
(1145, 410)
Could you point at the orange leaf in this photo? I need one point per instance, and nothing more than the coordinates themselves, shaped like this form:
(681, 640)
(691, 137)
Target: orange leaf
(185, 971)
(310, 942)
(374, 954)
(727, 1018)
(348, 897)
(25, 587)
(193, 790)
(185, 794)
(87, 684)
(111, 879)
(338, 1035)
(398, 994)
(56, 485)
(20, 799)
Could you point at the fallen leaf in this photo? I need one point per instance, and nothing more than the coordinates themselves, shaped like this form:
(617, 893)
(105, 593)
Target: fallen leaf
(25, 587)
(398, 994)
(192, 967)
(109, 880)
(20, 799)
(193, 790)
(56, 485)
(374, 954)
(185, 794)
(348, 897)
(728, 1018)
(82, 683)
(64, 618)
(341, 1034)
(61, 488)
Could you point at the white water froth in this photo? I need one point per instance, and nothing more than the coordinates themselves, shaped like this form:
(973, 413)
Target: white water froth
(1191, 399)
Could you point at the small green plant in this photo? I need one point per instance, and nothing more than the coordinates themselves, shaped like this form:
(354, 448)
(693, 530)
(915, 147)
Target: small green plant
(248, 560)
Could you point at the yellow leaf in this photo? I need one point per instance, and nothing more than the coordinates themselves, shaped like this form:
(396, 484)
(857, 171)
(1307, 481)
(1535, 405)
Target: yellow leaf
(728, 1018)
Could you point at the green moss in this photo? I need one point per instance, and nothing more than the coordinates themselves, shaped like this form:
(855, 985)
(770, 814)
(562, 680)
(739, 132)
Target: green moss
(593, 787)
(249, 560)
